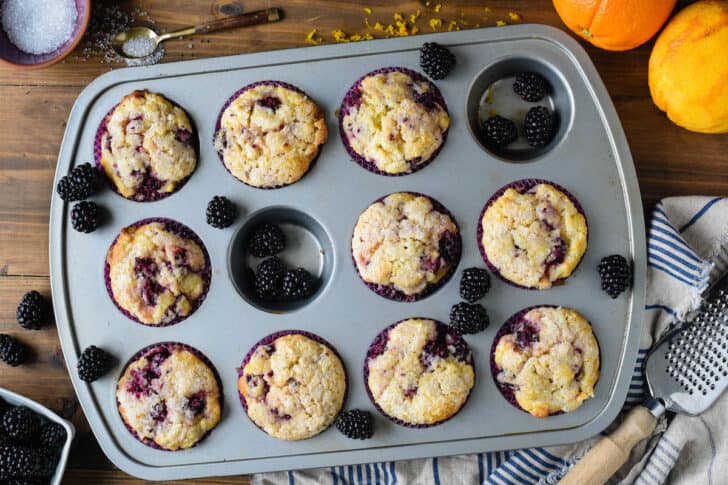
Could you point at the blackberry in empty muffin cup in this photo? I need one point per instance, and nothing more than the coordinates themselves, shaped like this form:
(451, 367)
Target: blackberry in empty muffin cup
(499, 131)
(532, 234)
(405, 246)
(143, 259)
(393, 121)
(169, 396)
(561, 343)
(418, 373)
(147, 147)
(292, 384)
(269, 134)
(530, 86)
(539, 126)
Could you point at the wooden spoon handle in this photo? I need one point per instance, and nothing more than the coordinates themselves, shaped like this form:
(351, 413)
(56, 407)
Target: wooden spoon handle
(612, 451)
(244, 20)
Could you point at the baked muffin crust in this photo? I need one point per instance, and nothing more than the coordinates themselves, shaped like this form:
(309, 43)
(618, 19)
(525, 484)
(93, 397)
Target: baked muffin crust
(547, 359)
(146, 146)
(292, 386)
(533, 237)
(269, 134)
(169, 396)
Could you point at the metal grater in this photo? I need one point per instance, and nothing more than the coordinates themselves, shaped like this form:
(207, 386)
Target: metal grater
(688, 369)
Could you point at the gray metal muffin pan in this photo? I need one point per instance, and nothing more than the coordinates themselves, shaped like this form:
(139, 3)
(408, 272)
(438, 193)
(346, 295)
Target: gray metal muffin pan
(590, 157)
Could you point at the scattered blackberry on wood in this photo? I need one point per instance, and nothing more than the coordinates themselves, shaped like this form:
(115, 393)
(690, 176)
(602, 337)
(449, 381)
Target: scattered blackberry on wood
(297, 284)
(85, 216)
(221, 212)
(33, 311)
(19, 462)
(474, 284)
(499, 131)
(468, 318)
(21, 425)
(12, 352)
(93, 363)
(52, 436)
(539, 125)
(268, 278)
(530, 86)
(80, 183)
(355, 424)
(436, 60)
(266, 240)
(616, 274)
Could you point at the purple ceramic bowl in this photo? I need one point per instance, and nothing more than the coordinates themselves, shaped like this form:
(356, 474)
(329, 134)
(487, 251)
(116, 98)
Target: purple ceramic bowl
(453, 243)
(183, 231)
(272, 338)
(351, 98)
(522, 186)
(12, 56)
(233, 98)
(460, 350)
(508, 392)
(159, 347)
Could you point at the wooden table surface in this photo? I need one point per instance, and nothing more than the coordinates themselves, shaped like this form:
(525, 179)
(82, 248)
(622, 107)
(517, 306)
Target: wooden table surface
(34, 106)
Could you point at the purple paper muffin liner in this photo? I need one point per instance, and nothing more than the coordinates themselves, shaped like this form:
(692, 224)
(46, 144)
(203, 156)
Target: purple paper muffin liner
(232, 98)
(148, 194)
(268, 340)
(455, 249)
(507, 391)
(182, 231)
(378, 345)
(523, 186)
(351, 98)
(146, 351)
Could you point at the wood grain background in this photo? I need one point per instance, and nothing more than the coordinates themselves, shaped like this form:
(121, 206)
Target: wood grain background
(34, 106)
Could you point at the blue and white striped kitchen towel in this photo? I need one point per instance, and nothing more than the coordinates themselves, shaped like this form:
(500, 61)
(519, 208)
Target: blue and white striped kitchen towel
(687, 251)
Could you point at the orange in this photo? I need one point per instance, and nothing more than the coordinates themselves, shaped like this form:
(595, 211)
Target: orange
(615, 25)
(688, 70)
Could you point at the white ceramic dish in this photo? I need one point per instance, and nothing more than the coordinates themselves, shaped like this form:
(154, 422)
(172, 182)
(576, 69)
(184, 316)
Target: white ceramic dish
(18, 400)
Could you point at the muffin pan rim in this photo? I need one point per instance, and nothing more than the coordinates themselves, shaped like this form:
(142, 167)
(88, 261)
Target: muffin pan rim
(309, 453)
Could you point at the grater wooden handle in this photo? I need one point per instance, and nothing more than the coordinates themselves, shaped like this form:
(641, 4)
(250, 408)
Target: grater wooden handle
(613, 450)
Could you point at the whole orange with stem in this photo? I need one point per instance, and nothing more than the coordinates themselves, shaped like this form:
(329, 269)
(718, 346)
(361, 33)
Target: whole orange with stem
(615, 25)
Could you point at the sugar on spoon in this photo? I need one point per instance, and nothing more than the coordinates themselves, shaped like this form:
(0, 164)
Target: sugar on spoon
(137, 42)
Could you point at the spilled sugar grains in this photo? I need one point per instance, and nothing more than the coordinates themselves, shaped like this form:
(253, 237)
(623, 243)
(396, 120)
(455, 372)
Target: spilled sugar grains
(38, 26)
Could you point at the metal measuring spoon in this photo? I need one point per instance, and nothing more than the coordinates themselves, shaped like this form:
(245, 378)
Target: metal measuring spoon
(137, 42)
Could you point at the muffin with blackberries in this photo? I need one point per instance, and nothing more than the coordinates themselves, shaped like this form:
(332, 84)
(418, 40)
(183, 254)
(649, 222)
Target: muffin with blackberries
(157, 271)
(269, 134)
(393, 121)
(532, 233)
(146, 146)
(405, 246)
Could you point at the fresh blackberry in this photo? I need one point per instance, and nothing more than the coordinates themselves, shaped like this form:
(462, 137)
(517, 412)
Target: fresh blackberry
(33, 311)
(93, 363)
(268, 278)
(436, 60)
(21, 425)
(52, 436)
(616, 274)
(474, 284)
(85, 216)
(538, 124)
(266, 240)
(530, 86)
(80, 183)
(468, 318)
(12, 352)
(356, 424)
(221, 212)
(19, 462)
(499, 131)
(298, 283)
